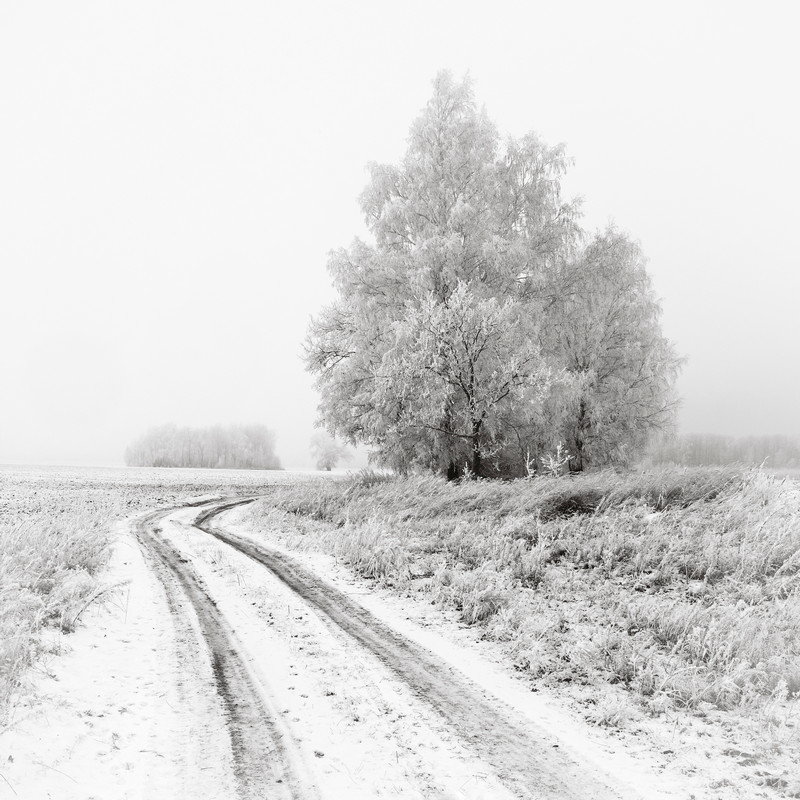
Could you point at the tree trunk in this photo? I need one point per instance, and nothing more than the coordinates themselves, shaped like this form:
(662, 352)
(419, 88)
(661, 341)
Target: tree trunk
(477, 460)
(577, 463)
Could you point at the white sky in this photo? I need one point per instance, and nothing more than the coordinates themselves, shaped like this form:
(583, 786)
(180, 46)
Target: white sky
(172, 175)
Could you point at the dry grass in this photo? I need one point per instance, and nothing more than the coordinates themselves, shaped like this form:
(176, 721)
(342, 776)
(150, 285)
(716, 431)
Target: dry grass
(680, 585)
(55, 540)
(48, 573)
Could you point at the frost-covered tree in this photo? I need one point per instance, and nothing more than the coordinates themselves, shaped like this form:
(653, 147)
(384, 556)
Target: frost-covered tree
(604, 329)
(327, 452)
(444, 349)
(463, 206)
(454, 367)
(463, 210)
(231, 447)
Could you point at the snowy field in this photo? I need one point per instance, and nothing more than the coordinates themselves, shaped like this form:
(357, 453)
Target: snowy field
(220, 653)
(56, 532)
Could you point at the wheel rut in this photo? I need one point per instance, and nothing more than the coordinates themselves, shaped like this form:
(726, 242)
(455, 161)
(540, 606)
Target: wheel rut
(262, 761)
(524, 758)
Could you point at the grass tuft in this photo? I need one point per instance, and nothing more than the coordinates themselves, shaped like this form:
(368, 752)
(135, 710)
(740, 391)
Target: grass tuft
(48, 571)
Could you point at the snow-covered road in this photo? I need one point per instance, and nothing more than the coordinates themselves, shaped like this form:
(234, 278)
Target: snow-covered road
(243, 672)
(527, 760)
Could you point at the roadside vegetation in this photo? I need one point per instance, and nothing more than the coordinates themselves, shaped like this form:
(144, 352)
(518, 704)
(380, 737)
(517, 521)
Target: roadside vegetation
(49, 566)
(681, 586)
(56, 536)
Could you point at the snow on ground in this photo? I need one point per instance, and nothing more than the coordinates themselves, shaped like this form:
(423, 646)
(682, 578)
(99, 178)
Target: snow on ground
(128, 707)
(113, 715)
(121, 711)
(636, 769)
(359, 731)
(679, 755)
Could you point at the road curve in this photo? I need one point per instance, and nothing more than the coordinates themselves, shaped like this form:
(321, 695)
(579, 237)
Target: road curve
(260, 746)
(525, 759)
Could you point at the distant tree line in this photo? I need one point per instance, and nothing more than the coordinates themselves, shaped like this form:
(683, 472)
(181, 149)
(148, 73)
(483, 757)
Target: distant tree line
(700, 449)
(217, 447)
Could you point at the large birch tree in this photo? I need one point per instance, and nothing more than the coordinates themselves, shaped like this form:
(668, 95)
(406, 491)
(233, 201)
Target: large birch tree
(456, 340)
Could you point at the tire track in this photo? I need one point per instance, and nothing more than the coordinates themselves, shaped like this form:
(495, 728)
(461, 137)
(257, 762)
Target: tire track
(261, 750)
(525, 759)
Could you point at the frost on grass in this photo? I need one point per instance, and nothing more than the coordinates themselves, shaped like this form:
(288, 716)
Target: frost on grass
(55, 540)
(49, 565)
(680, 587)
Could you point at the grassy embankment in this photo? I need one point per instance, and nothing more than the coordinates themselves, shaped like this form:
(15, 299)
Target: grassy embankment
(682, 586)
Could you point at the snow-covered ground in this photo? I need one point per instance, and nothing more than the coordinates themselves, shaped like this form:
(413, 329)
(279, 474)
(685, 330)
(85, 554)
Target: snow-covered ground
(112, 714)
(636, 771)
(142, 703)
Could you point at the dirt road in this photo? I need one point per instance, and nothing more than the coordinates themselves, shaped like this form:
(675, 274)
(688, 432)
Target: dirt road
(261, 747)
(435, 732)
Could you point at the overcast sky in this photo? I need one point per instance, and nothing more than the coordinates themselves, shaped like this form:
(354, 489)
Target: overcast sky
(172, 175)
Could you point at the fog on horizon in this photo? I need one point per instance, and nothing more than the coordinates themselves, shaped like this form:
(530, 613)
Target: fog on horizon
(174, 176)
